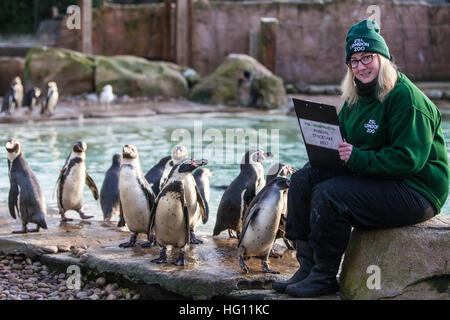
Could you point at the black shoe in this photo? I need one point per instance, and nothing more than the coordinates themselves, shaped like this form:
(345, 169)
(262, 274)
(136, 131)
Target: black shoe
(321, 281)
(298, 276)
(305, 258)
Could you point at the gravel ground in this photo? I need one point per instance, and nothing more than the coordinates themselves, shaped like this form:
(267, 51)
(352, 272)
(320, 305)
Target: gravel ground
(24, 279)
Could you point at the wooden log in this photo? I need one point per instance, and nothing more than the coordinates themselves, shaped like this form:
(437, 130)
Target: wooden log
(86, 26)
(268, 43)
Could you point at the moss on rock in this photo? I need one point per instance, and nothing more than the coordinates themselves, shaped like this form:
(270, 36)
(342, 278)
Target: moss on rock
(72, 71)
(241, 80)
(136, 76)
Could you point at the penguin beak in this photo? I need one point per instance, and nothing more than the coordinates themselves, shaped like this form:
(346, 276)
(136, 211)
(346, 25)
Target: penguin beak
(199, 163)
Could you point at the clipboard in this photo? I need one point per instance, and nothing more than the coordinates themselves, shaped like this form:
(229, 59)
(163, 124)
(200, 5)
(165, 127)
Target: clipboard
(319, 125)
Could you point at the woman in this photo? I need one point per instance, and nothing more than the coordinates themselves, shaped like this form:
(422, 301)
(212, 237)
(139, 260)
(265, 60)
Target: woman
(396, 160)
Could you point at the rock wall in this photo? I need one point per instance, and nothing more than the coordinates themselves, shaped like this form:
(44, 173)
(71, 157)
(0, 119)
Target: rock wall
(310, 37)
(122, 30)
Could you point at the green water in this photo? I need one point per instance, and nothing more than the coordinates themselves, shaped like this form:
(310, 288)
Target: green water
(46, 146)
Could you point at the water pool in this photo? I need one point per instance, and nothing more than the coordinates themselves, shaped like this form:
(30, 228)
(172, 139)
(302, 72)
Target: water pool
(221, 138)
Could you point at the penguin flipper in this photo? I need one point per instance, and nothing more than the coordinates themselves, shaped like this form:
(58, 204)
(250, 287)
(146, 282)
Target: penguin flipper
(91, 184)
(204, 210)
(250, 215)
(13, 200)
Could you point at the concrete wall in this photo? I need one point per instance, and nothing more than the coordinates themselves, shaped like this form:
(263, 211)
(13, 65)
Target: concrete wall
(311, 36)
(122, 29)
(310, 39)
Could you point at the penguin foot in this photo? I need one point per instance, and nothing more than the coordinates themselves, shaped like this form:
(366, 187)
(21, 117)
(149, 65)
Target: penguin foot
(242, 264)
(180, 260)
(34, 230)
(162, 257)
(194, 240)
(83, 216)
(130, 243)
(265, 268)
(147, 244)
(20, 231)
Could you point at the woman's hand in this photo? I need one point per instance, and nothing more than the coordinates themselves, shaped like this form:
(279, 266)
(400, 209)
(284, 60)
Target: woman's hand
(345, 150)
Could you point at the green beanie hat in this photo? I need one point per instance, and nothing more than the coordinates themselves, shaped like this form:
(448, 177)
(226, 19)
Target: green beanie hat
(365, 37)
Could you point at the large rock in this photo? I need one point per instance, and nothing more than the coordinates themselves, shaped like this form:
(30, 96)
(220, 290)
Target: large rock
(139, 77)
(414, 262)
(241, 80)
(77, 73)
(72, 71)
(10, 67)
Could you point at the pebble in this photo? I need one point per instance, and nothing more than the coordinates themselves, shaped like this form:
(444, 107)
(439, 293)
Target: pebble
(50, 249)
(100, 282)
(84, 257)
(21, 278)
(63, 248)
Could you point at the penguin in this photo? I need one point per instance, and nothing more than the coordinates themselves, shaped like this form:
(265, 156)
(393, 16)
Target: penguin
(260, 223)
(136, 197)
(109, 193)
(52, 99)
(71, 180)
(192, 196)
(157, 175)
(107, 95)
(281, 170)
(13, 96)
(170, 216)
(240, 192)
(25, 195)
(32, 98)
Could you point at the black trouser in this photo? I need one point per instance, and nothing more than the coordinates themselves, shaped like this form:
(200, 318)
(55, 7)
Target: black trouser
(324, 204)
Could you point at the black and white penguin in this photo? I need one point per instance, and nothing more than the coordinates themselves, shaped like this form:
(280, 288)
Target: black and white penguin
(25, 196)
(240, 192)
(109, 193)
(281, 170)
(51, 100)
(136, 197)
(71, 181)
(157, 175)
(32, 98)
(13, 97)
(261, 221)
(194, 201)
(170, 216)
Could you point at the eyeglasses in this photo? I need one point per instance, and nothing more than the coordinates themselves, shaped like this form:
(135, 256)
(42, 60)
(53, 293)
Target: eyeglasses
(364, 60)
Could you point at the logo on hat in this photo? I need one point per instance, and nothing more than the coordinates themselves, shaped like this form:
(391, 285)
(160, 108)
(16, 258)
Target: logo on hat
(359, 45)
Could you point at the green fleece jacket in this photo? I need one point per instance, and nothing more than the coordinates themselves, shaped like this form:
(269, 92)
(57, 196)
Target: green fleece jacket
(400, 138)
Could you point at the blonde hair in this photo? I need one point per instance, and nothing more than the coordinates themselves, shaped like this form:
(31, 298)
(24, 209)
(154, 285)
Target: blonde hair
(387, 78)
